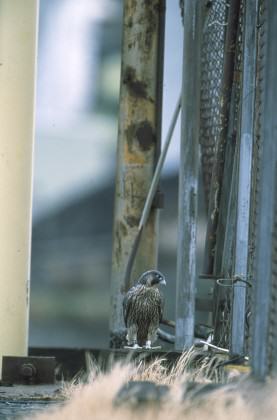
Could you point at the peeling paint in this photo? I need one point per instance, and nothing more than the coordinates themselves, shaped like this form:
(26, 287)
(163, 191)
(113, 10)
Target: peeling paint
(132, 221)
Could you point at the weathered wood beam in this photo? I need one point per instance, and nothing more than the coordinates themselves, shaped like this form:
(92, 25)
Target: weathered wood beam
(138, 145)
(188, 179)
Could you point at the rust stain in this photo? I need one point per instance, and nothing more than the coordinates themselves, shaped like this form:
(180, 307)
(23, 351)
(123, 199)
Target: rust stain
(123, 229)
(132, 157)
(129, 23)
(133, 4)
(118, 245)
(149, 21)
(135, 192)
(136, 87)
(140, 137)
(145, 136)
(132, 221)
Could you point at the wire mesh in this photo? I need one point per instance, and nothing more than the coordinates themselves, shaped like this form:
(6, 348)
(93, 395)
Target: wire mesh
(224, 296)
(223, 317)
(212, 56)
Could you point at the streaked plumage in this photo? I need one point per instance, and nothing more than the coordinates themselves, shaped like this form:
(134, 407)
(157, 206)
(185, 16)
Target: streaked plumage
(142, 309)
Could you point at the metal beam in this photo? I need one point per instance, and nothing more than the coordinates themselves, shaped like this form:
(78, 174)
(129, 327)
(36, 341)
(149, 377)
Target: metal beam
(264, 323)
(138, 145)
(188, 179)
(244, 178)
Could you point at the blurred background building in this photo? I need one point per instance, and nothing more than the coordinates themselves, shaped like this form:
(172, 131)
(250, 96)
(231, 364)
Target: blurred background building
(75, 156)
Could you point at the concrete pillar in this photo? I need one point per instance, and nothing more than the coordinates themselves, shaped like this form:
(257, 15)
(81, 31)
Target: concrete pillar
(18, 35)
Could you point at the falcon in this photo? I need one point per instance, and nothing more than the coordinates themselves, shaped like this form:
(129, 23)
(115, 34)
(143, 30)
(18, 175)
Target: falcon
(142, 310)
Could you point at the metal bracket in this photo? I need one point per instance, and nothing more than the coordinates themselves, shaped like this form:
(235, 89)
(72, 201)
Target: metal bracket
(28, 370)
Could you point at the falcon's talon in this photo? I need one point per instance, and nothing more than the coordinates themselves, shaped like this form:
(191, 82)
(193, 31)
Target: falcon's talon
(148, 345)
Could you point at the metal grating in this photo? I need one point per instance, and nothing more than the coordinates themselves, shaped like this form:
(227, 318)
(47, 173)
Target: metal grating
(212, 55)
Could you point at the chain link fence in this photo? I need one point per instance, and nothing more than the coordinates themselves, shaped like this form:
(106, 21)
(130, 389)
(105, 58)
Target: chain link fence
(215, 17)
(212, 57)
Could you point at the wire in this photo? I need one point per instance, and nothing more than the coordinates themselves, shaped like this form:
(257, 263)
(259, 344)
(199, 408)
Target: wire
(232, 280)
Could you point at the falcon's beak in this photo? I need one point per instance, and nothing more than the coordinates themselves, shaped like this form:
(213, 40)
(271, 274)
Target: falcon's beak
(163, 282)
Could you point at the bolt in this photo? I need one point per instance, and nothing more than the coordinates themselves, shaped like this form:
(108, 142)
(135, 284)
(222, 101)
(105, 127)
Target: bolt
(28, 370)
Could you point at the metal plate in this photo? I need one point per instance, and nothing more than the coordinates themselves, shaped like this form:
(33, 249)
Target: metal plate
(28, 370)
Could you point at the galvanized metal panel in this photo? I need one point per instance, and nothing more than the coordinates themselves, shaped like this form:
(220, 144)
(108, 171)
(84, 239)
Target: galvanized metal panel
(188, 179)
(244, 179)
(263, 360)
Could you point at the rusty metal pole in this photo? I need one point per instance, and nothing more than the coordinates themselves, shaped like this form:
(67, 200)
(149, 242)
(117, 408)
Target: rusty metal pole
(138, 146)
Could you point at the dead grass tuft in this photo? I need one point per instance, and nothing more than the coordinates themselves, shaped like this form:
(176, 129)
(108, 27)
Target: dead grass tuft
(91, 395)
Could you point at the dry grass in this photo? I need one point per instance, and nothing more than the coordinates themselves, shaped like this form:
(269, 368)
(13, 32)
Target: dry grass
(91, 397)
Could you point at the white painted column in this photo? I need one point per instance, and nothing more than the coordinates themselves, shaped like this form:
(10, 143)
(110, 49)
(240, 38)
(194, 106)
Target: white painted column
(18, 39)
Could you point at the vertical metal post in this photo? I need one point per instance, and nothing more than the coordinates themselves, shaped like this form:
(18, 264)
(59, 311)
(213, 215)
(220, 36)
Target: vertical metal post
(244, 178)
(138, 146)
(265, 276)
(188, 179)
(18, 40)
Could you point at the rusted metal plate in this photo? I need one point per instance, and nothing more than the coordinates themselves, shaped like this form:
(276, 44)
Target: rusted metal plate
(28, 370)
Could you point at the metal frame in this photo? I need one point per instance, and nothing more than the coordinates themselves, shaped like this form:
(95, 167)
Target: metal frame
(228, 246)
